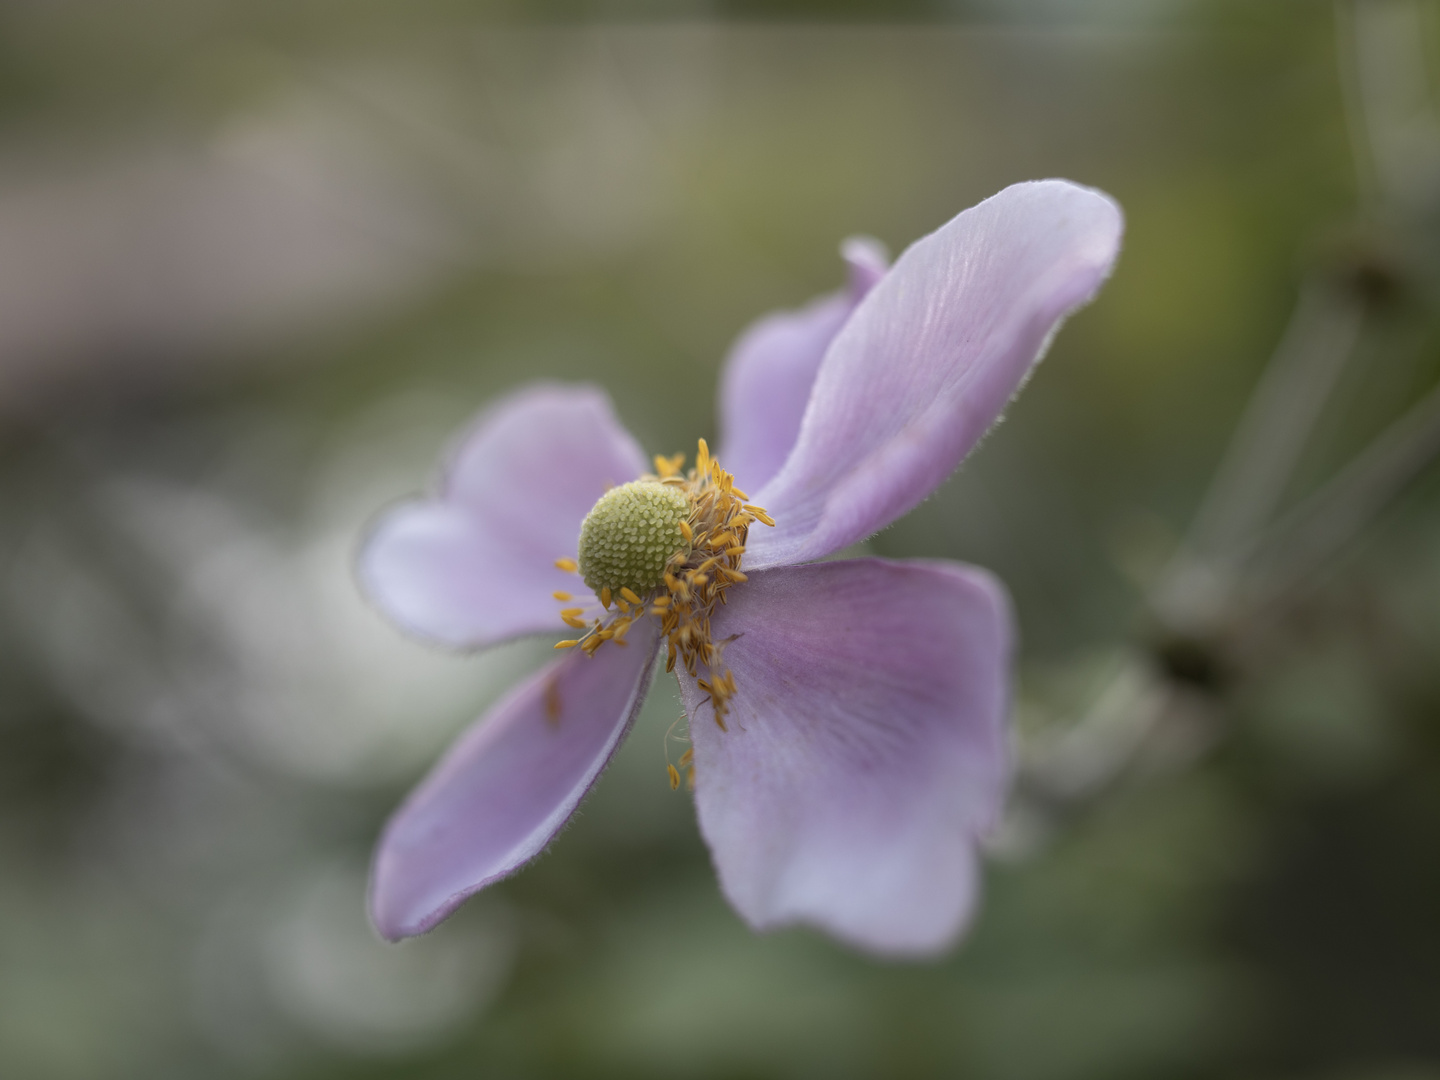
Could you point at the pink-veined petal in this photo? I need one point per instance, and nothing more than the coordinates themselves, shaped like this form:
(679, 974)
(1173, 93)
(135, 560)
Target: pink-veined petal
(508, 785)
(475, 564)
(865, 749)
(928, 361)
(767, 377)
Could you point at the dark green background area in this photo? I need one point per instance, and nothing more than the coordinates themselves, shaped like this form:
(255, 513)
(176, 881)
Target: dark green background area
(202, 729)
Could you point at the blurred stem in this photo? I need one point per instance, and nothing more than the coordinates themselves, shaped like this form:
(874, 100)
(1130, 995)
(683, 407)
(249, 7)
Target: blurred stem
(1389, 103)
(1312, 534)
(1362, 150)
(1263, 452)
(1234, 540)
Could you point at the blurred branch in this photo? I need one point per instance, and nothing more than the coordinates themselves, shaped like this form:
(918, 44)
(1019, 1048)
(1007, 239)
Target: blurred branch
(1389, 100)
(1362, 153)
(1316, 531)
(1262, 454)
(1235, 539)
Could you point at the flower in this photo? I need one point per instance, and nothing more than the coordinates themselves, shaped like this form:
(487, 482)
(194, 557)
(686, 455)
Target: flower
(847, 718)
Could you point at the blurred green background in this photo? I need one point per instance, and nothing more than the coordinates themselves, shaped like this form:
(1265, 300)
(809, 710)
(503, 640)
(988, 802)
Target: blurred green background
(260, 261)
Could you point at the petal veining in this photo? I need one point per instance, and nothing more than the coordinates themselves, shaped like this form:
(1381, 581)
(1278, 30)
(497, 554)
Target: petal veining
(508, 785)
(475, 564)
(767, 377)
(928, 361)
(865, 749)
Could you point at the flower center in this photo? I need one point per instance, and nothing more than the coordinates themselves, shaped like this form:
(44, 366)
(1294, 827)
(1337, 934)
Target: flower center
(666, 546)
(629, 538)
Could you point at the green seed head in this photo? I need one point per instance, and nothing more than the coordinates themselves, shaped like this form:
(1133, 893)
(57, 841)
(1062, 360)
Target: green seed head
(630, 534)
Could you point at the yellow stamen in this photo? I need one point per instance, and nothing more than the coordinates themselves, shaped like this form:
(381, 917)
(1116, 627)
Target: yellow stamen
(568, 565)
(710, 536)
(665, 467)
(674, 777)
(570, 644)
(562, 596)
(571, 620)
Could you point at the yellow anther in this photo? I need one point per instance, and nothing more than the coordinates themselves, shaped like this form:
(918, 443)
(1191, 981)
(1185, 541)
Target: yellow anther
(665, 467)
(674, 777)
(571, 620)
(687, 757)
(570, 644)
(562, 596)
(708, 520)
(568, 565)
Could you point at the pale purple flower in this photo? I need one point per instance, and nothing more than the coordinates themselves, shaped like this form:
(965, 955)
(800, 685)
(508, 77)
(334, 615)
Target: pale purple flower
(864, 746)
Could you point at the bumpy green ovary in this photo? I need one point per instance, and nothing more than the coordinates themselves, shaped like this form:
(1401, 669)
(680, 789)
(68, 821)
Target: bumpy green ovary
(630, 534)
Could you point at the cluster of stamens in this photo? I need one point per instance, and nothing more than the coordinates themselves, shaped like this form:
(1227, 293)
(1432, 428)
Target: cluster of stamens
(619, 541)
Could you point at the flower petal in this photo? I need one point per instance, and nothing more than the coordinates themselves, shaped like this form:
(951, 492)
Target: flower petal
(929, 359)
(508, 785)
(767, 376)
(865, 748)
(476, 564)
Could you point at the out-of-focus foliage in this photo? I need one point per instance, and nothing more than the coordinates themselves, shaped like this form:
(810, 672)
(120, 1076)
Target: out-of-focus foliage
(259, 262)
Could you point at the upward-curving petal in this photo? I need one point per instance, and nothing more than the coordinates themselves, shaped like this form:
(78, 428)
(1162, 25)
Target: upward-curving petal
(508, 785)
(865, 748)
(475, 564)
(767, 376)
(928, 361)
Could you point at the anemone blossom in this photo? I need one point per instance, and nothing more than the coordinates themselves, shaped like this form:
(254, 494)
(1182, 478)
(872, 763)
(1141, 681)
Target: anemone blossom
(847, 718)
